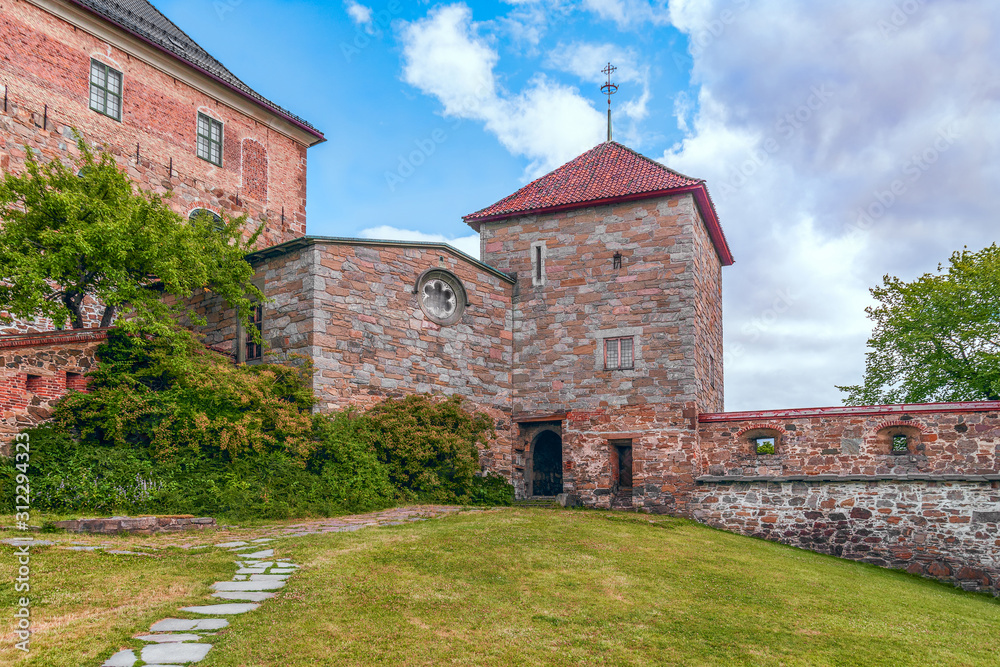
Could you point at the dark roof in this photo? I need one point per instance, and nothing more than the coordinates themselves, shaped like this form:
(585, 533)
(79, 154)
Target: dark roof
(606, 174)
(145, 21)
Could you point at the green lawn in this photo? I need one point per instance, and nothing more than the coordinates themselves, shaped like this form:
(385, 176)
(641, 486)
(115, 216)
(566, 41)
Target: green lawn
(524, 587)
(519, 587)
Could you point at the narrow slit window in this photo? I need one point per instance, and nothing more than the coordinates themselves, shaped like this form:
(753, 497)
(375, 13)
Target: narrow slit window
(253, 349)
(538, 263)
(105, 90)
(618, 353)
(209, 139)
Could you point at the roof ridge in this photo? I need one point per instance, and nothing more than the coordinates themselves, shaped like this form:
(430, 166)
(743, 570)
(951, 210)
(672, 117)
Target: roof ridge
(657, 163)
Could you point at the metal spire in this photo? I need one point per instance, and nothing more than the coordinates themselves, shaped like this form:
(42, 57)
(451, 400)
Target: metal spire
(609, 89)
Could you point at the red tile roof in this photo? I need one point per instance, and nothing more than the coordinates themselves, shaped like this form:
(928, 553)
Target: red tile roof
(607, 173)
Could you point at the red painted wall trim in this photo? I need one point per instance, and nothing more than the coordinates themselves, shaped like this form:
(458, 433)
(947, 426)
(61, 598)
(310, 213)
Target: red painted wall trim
(861, 410)
(53, 337)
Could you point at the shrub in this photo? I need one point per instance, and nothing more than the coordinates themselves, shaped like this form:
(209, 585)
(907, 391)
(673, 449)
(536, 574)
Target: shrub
(191, 433)
(430, 447)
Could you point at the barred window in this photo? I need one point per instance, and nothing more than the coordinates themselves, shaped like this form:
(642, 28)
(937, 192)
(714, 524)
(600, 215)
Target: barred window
(105, 90)
(618, 353)
(209, 139)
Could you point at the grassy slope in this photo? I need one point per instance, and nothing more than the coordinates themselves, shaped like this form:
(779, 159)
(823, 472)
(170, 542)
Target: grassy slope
(86, 604)
(567, 588)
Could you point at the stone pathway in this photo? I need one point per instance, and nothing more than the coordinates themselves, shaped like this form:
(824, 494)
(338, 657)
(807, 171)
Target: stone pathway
(179, 641)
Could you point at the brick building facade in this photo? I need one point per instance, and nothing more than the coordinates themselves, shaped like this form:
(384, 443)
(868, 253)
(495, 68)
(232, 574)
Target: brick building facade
(591, 331)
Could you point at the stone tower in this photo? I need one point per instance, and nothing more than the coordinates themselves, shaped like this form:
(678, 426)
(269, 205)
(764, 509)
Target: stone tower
(617, 326)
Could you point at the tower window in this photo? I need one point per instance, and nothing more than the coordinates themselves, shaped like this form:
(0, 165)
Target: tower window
(538, 263)
(209, 139)
(618, 353)
(105, 90)
(616, 260)
(217, 223)
(900, 444)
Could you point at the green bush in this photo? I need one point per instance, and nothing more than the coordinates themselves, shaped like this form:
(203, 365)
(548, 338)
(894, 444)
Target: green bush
(190, 433)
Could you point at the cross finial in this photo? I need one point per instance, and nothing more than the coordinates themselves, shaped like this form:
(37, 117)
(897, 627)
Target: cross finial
(609, 89)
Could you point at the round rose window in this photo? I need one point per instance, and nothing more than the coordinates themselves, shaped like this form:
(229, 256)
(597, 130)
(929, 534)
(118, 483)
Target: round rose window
(441, 296)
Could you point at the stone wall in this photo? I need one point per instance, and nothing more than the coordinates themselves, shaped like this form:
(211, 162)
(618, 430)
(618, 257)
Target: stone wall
(835, 486)
(942, 529)
(665, 295)
(36, 371)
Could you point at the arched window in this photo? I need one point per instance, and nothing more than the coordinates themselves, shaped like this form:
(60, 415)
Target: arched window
(899, 439)
(216, 218)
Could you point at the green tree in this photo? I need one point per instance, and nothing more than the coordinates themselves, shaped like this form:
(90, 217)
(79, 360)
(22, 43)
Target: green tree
(936, 338)
(69, 232)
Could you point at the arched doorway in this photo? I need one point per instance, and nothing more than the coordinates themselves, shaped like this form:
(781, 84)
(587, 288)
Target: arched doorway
(546, 459)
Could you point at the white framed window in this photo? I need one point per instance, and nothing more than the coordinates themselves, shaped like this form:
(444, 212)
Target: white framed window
(105, 90)
(209, 139)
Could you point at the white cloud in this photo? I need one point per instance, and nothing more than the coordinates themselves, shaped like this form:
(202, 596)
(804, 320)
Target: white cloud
(629, 13)
(467, 244)
(360, 14)
(548, 122)
(807, 114)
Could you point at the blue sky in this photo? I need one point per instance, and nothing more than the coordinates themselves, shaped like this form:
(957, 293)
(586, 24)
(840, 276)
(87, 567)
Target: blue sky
(841, 141)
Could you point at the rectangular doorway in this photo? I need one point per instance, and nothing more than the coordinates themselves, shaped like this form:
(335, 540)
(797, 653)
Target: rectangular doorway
(621, 464)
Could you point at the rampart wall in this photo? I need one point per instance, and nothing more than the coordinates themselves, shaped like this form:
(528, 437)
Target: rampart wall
(835, 485)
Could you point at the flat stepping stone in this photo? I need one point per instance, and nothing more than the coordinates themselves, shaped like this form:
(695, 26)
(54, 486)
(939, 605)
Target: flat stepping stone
(269, 577)
(247, 596)
(223, 609)
(175, 654)
(121, 659)
(175, 637)
(263, 539)
(282, 570)
(239, 577)
(259, 555)
(82, 548)
(186, 624)
(266, 563)
(251, 570)
(230, 545)
(20, 542)
(247, 585)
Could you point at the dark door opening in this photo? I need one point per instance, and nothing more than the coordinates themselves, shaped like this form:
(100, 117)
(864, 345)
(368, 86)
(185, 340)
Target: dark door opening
(547, 465)
(621, 465)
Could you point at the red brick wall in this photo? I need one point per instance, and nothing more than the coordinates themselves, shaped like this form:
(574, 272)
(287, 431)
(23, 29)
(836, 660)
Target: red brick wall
(44, 72)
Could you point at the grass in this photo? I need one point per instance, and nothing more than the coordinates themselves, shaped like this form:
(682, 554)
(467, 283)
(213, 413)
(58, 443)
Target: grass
(570, 587)
(514, 587)
(85, 605)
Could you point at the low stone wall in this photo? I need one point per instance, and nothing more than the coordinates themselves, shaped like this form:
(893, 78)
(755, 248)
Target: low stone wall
(137, 525)
(947, 530)
(36, 370)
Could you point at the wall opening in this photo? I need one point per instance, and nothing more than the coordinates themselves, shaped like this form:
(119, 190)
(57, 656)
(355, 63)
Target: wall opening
(621, 466)
(33, 383)
(546, 458)
(762, 441)
(898, 440)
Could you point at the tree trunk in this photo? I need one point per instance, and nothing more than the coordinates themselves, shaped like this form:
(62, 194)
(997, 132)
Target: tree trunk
(75, 306)
(108, 317)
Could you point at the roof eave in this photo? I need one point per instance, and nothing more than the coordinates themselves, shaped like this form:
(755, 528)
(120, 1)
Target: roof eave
(278, 112)
(699, 191)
